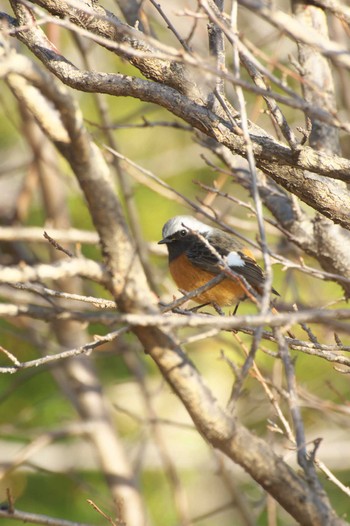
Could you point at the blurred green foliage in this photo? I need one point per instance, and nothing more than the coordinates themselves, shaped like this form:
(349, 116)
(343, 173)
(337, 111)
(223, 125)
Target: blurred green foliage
(31, 401)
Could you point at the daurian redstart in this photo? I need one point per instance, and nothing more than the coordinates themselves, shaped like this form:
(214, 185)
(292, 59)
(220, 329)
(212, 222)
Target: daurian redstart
(196, 253)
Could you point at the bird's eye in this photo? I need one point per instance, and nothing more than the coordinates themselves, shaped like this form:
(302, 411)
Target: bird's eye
(183, 233)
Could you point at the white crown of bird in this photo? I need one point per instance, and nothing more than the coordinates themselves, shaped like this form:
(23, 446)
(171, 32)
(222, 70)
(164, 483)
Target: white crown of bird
(179, 222)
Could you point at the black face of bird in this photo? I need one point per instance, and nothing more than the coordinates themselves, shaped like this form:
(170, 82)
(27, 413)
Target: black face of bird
(179, 242)
(182, 235)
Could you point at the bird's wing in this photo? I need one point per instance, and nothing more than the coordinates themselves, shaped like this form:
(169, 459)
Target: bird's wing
(251, 271)
(238, 259)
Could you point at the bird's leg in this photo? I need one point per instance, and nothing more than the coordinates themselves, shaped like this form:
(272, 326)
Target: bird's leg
(218, 309)
(236, 309)
(197, 307)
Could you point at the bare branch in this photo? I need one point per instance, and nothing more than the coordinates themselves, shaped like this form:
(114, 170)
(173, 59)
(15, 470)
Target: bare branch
(35, 234)
(334, 204)
(62, 269)
(36, 518)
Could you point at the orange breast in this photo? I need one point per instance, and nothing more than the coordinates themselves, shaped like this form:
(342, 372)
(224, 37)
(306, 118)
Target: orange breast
(188, 277)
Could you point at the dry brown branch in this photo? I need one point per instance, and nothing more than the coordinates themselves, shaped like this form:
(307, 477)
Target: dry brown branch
(199, 92)
(265, 148)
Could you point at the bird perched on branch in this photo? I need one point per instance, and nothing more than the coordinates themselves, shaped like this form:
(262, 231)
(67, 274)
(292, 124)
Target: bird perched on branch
(199, 252)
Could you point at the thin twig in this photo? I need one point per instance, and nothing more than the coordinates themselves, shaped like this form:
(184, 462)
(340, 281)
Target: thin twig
(171, 26)
(44, 291)
(302, 454)
(35, 518)
(57, 246)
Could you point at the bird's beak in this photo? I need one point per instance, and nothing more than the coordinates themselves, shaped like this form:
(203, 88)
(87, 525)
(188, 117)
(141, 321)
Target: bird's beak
(164, 241)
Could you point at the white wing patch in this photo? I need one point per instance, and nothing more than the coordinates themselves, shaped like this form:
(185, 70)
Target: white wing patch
(233, 259)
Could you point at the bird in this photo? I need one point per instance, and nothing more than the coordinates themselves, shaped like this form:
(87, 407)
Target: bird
(199, 252)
